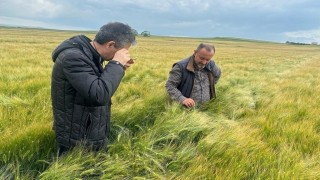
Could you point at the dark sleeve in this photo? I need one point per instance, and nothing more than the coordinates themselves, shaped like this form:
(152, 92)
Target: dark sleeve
(96, 90)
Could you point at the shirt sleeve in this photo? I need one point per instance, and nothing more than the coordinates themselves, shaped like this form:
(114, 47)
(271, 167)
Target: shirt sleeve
(173, 82)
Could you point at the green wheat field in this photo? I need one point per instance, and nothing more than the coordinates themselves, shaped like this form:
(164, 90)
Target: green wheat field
(264, 124)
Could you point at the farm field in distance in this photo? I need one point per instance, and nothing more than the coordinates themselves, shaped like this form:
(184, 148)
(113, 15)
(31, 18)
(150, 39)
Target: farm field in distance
(264, 124)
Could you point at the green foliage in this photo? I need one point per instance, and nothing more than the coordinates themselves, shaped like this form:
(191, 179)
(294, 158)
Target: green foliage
(264, 123)
(145, 34)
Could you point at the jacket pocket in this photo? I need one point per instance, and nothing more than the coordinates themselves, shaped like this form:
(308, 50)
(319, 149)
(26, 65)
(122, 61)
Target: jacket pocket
(79, 120)
(88, 126)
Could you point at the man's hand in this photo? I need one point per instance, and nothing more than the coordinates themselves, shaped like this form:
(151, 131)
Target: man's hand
(122, 56)
(189, 102)
(128, 63)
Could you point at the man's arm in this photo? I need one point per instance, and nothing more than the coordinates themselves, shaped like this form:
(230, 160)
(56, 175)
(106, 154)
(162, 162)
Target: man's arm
(96, 90)
(173, 82)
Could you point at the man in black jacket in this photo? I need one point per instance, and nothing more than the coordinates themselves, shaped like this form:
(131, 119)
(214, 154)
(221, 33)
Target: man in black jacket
(81, 88)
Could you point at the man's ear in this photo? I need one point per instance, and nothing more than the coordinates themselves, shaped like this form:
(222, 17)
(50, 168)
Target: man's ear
(111, 44)
(195, 52)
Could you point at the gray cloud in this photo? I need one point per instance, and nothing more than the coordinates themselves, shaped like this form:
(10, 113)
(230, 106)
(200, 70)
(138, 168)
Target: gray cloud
(30, 8)
(311, 35)
(275, 20)
(39, 24)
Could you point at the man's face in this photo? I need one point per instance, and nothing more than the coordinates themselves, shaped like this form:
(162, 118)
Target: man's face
(202, 57)
(110, 50)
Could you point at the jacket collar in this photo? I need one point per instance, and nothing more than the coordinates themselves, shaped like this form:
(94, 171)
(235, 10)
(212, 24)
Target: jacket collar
(190, 65)
(93, 51)
(96, 58)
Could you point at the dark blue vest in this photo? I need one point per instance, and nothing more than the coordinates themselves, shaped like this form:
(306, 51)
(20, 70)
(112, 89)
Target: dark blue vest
(186, 84)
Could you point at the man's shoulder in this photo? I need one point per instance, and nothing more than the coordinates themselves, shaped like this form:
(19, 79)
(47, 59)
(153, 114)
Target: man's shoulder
(185, 60)
(72, 47)
(74, 57)
(212, 63)
(182, 61)
(74, 53)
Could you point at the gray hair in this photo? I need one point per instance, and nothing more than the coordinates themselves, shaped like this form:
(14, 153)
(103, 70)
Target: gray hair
(208, 47)
(120, 33)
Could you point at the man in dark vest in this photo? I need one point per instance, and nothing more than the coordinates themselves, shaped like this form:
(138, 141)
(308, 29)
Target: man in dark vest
(192, 80)
(81, 88)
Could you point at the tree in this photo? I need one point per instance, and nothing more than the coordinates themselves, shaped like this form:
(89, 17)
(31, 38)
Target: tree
(135, 32)
(145, 33)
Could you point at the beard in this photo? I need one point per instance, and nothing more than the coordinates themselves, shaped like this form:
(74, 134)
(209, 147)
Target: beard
(200, 66)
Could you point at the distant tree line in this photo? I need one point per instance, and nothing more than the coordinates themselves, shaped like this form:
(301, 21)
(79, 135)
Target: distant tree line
(298, 43)
(143, 33)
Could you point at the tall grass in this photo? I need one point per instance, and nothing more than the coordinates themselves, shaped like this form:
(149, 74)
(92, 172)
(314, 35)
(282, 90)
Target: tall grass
(264, 124)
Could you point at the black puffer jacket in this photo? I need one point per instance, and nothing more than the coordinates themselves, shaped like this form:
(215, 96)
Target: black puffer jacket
(81, 93)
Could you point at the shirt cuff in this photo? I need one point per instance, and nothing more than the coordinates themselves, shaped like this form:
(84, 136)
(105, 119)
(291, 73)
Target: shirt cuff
(181, 99)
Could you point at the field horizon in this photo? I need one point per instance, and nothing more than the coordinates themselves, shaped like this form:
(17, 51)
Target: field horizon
(3, 26)
(264, 124)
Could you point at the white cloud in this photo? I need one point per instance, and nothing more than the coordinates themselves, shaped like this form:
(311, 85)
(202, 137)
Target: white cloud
(32, 23)
(165, 5)
(31, 8)
(310, 35)
(200, 5)
(263, 19)
(187, 24)
(258, 4)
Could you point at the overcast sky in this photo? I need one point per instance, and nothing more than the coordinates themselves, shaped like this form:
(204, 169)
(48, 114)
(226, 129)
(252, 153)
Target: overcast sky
(270, 20)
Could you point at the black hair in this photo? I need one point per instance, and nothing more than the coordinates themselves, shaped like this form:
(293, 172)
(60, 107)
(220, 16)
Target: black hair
(120, 33)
